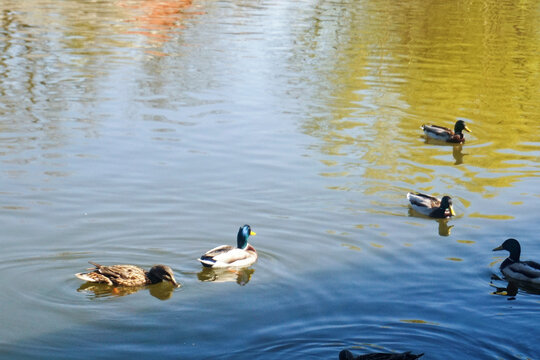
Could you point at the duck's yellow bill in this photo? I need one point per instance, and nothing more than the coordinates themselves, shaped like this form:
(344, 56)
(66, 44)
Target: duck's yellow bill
(452, 212)
(251, 232)
(467, 129)
(498, 248)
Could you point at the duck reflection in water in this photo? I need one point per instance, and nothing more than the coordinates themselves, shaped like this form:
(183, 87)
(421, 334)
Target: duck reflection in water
(162, 291)
(457, 153)
(241, 276)
(512, 287)
(510, 290)
(444, 229)
(457, 149)
(347, 355)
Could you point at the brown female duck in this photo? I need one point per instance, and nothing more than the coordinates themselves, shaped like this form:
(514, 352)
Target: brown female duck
(128, 275)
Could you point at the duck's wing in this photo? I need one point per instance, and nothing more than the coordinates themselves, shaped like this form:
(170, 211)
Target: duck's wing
(217, 251)
(437, 132)
(94, 277)
(129, 275)
(532, 264)
(423, 200)
(209, 258)
(233, 258)
(528, 271)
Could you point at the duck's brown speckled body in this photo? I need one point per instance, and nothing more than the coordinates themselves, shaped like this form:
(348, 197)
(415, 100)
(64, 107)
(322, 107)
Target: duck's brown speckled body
(128, 275)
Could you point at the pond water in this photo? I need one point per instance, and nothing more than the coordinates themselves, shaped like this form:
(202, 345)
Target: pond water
(147, 132)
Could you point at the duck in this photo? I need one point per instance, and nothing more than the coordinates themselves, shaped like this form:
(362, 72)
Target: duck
(445, 134)
(243, 255)
(347, 355)
(512, 267)
(431, 206)
(128, 275)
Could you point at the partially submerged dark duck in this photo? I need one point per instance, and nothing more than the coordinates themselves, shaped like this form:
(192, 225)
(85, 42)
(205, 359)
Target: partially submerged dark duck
(128, 275)
(347, 355)
(445, 134)
(514, 268)
(431, 206)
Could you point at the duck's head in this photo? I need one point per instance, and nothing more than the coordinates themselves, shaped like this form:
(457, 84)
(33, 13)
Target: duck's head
(243, 234)
(160, 273)
(446, 204)
(460, 126)
(512, 246)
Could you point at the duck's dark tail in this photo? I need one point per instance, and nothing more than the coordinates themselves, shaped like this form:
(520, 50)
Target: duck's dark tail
(95, 264)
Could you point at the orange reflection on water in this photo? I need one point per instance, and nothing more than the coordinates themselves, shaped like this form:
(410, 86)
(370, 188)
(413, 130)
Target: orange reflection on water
(156, 19)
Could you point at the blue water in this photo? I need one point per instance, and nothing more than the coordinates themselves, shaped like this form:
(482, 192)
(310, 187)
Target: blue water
(147, 132)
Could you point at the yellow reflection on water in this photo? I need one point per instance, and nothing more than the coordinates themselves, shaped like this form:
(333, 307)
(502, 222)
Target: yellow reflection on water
(391, 77)
(492, 217)
(352, 247)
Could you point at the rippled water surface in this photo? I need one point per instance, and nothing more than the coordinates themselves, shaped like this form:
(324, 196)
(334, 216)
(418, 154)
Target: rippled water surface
(147, 132)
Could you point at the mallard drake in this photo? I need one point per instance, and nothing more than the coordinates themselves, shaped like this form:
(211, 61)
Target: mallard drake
(431, 206)
(347, 355)
(128, 275)
(242, 255)
(445, 134)
(512, 267)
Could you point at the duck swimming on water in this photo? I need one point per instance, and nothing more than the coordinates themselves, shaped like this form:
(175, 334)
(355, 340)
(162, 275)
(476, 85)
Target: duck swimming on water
(242, 255)
(431, 206)
(128, 275)
(514, 268)
(445, 134)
